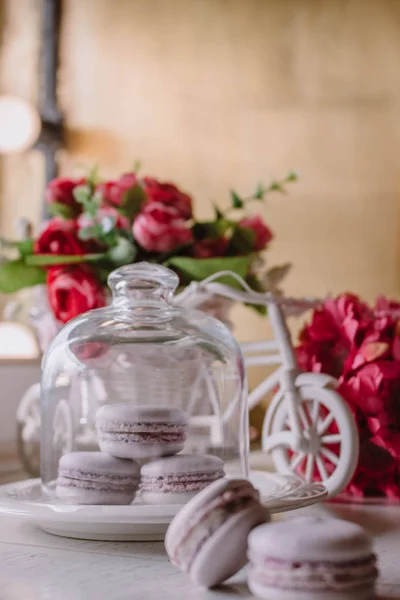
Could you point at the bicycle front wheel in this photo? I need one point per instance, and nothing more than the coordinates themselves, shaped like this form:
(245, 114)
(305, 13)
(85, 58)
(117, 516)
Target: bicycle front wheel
(331, 436)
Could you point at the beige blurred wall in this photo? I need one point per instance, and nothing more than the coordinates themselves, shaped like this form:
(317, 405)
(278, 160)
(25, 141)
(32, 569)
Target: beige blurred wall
(216, 94)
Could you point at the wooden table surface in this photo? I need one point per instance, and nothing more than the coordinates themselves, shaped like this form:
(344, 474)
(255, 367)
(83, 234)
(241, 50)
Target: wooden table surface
(38, 566)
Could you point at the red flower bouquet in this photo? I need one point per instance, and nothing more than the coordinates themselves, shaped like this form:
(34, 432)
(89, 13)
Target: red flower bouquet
(97, 226)
(360, 345)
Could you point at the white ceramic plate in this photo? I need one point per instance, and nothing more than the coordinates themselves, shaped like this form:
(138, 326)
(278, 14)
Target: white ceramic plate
(137, 522)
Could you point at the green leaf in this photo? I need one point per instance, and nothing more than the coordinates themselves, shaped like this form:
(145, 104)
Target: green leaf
(16, 274)
(137, 165)
(276, 187)
(237, 201)
(218, 213)
(25, 247)
(260, 191)
(56, 209)
(292, 176)
(242, 241)
(210, 229)
(93, 177)
(123, 253)
(82, 194)
(47, 260)
(197, 269)
(132, 201)
(89, 233)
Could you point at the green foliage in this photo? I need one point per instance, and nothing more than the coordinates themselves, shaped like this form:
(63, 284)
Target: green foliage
(57, 209)
(132, 201)
(237, 201)
(16, 274)
(123, 253)
(211, 229)
(242, 241)
(47, 260)
(199, 268)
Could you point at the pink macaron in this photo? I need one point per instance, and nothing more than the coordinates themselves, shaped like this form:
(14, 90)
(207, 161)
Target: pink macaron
(176, 479)
(310, 558)
(135, 431)
(208, 538)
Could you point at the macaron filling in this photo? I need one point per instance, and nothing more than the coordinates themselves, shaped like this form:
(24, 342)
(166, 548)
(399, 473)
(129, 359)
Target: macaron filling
(315, 576)
(206, 522)
(77, 478)
(125, 427)
(142, 438)
(187, 482)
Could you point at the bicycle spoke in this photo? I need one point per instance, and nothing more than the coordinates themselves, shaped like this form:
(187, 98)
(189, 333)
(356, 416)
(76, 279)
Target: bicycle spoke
(331, 456)
(303, 417)
(296, 461)
(333, 438)
(327, 422)
(321, 468)
(309, 468)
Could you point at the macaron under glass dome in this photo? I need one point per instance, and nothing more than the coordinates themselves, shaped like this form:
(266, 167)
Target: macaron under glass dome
(143, 402)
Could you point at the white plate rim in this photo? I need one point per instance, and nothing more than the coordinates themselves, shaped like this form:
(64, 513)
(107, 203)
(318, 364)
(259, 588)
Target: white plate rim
(295, 494)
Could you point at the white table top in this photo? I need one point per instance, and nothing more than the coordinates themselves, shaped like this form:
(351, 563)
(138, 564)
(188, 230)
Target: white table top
(38, 566)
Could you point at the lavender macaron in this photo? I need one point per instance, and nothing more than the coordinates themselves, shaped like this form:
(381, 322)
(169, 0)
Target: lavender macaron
(176, 479)
(97, 478)
(309, 558)
(208, 538)
(134, 431)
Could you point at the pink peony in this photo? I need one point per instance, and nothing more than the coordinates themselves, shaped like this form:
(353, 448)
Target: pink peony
(263, 235)
(361, 347)
(160, 228)
(168, 194)
(113, 191)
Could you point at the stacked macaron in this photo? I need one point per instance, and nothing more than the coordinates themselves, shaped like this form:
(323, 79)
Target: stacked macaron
(128, 433)
(97, 478)
(132, 431)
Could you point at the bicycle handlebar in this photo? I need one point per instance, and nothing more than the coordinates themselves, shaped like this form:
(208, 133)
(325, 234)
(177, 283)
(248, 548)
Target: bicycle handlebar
(247, 295)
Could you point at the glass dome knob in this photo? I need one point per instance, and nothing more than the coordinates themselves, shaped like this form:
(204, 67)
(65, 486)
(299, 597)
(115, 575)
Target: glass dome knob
(143, 281)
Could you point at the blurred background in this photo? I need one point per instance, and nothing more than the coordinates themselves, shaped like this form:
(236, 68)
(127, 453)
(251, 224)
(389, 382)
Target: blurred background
(219, 94)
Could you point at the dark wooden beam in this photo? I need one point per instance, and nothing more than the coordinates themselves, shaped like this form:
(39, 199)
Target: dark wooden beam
(52, 135)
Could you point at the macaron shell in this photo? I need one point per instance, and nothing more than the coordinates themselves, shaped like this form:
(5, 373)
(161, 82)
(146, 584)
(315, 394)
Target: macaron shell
(138, 450)
(224, 554)
(182, 464)
(201, 500)
(309, 539)
(167, 498)
(274, 593)
(135, 413)
(98, 462)
(95, 497)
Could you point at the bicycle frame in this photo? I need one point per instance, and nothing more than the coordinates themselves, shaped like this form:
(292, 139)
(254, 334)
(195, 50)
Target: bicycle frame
(279, 352)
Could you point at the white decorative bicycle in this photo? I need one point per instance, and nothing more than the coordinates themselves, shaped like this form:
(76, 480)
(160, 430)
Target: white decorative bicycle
(308, 428)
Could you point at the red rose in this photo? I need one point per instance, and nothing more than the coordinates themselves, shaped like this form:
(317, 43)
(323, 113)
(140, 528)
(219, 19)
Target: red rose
(263, 235)
(160, 228)
(210, 248)
(61, 191)
(168, 194)
(113, 191)
(59, 237)
(73, 290)
(86, 220)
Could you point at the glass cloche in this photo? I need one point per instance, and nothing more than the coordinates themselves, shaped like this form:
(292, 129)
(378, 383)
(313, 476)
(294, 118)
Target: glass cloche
(145, 380)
